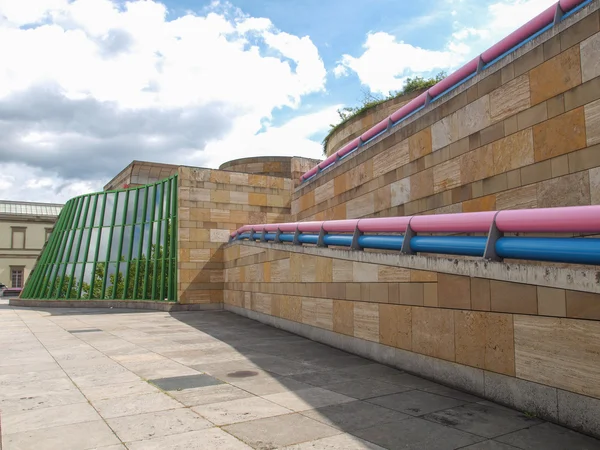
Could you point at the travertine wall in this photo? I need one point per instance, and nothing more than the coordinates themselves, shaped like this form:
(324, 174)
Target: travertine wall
(140, 173)
(278, 166)
(525, 133)
(360, 123)
(212, 203)
(526, 332)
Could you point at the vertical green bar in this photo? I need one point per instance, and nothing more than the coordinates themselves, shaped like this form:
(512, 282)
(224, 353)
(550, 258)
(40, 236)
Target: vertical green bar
(65, 242)
(141, 243)
(93, 198)
(59, 233)
(164, 263)
(98, 245)
(155, 273)
(123, 221)
(72, 229)
(109, 245)
(135, 192)
(149, 248)
(173, 254)
(85, 202)
(38, 280)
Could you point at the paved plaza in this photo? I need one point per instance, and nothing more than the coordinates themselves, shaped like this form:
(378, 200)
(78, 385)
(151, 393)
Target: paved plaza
(79, 379)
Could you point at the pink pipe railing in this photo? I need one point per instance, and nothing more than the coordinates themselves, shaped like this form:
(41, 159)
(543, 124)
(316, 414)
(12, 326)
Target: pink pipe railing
(570, 219)
(518, 36)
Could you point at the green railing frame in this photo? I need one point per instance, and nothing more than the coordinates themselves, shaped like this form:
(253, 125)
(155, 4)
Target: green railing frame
(60, 273)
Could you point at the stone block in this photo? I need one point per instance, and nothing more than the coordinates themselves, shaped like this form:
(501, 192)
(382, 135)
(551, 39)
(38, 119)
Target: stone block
(555, 106)
(474, 117)
(532, 116)
(324, 192)
(343, 317)
(219, 235)
(480, 294)
(513, 151)
(583, 305)
(582, 94)
(433, 332)
(551, 302)
(570, 190)
(419, 144)
(430, 295)
(199, 195)
(595, 186)
(520, 198)
(291, 308)
(218, 196)
(555, 76)
(510, 98)
(454, 291)
(339, 184)
(423, 276)
(590, 57)
(469, 337)
(392, 158)
(410, 294)
(421, 184)
(307, 201)
(560, 135)
(361, 206)
(360, 174)
(487, 203)
(383, 198)
(556, 352)
(477, 165)
(325, 313)
(491, 133)
(580, 160)
(364, 273)
(522, 395)
(237, 197)
(592, 122)
(579, 412)
(579, 31)
(366, 321)
(446, 175)
(535, 173)
(342, 270)
(400, 192)
(444, 132)
(390, 274)
(513, 297)
(395, 326)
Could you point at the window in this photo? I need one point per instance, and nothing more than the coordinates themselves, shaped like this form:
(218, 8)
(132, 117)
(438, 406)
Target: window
(16, 277)
(18, 237)
(48, 233)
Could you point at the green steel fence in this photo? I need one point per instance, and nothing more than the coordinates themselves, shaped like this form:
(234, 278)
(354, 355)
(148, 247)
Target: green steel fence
(119, 245)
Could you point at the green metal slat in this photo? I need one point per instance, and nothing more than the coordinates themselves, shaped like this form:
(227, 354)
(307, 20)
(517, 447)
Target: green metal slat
(65, 241)
(43, 264)
(141, 243)
(85, 205)
(109, 245)
(149, 248)
(95, 264)
(135, 192)
(158, 231)
(93, 198)
(66, 256)
(173, 257)
(52, 264)
(123, 222)
(164, 274)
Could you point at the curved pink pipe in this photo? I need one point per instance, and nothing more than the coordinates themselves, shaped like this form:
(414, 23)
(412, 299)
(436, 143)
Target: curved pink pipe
(287, 227)
(341, 226)
(270, 227)
(310, 227)
(409, 107)
(375, 130)
(328, 161)
(477, 222)
(520, 34)
(348, 147)
(384, 224)
(568, 5)
(570, 219)
(454, 78)
(310, 173)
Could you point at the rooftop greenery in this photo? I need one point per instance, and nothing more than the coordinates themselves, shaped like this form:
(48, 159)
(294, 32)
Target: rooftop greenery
(371, 100)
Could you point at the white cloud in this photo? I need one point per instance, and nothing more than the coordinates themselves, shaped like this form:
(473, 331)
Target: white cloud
(386, 61)
(89, 85)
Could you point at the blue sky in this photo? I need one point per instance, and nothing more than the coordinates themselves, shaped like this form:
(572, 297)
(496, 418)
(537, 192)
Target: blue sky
(86, 86)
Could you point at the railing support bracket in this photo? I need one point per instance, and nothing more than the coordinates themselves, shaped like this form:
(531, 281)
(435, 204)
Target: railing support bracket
(490, 247)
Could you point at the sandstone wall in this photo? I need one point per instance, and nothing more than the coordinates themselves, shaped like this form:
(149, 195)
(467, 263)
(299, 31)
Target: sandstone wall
(527, 344)
(524, 133)
(212, 203)
(140, 173)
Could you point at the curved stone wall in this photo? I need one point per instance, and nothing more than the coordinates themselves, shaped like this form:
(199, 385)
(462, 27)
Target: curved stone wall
(273, 166)
(360, 123)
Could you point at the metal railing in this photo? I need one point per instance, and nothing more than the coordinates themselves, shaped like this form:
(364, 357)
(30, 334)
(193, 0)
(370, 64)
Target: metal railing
(536, 26)
(402, 234)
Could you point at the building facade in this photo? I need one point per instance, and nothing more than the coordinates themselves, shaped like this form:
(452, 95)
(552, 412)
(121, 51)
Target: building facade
(24, 229)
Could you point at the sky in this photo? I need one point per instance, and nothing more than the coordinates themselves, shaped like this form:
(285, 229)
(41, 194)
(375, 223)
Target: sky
(87, 86)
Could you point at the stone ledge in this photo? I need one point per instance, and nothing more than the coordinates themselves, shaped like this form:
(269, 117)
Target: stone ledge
(136, 304)
(546, 402)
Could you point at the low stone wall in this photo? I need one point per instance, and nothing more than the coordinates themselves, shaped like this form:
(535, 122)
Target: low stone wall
(119, 304)
(524, 336)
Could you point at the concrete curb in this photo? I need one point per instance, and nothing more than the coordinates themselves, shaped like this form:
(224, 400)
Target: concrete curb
(127, 304)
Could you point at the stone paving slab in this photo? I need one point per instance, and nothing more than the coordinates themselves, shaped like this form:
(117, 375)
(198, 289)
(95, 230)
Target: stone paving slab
(145, 381)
